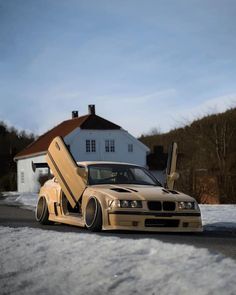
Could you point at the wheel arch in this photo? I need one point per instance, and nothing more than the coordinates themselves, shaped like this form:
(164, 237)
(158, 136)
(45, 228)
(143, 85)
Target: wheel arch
(42, 212)
(93, 213)
(102, 199)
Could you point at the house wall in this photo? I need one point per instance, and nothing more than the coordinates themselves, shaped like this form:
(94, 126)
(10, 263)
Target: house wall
(77, 142)
(27, 180)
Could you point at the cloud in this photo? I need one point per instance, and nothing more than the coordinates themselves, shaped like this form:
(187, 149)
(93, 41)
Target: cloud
(219, 104)
(141, 99)
(185, 114)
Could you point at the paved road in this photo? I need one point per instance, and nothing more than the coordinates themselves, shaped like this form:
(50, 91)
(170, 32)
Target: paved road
(223, 242)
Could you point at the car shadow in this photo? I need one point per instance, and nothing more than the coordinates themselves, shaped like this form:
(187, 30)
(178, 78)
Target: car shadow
(208, 232)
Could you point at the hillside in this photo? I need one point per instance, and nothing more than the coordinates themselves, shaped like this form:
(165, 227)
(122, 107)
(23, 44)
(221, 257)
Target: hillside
(207, 156)
(11, 142)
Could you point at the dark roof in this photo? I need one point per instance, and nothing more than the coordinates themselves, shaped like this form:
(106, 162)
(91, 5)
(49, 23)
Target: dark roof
(41, 144)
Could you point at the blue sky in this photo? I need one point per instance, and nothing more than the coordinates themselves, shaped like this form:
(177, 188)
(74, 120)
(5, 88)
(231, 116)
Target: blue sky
(144, 64)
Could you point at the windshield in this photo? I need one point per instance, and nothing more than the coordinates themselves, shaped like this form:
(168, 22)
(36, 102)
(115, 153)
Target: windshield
(120, 174)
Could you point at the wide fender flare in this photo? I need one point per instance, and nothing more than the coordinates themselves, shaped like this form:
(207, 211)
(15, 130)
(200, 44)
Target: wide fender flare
(48, 200)
(102, 200)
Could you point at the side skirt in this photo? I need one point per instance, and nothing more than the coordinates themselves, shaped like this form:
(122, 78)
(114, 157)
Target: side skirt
(72, 220)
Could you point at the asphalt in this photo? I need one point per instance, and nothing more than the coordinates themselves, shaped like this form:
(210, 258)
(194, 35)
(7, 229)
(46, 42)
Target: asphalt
(216, 241)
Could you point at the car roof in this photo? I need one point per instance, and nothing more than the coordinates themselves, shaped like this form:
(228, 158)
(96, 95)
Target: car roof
(88, 163)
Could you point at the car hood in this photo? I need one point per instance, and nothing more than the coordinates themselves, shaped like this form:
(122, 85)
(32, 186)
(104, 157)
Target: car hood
(140, 192)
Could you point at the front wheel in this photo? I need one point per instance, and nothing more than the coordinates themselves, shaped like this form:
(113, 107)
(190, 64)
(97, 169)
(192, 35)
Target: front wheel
(42, 213)
(93, 215)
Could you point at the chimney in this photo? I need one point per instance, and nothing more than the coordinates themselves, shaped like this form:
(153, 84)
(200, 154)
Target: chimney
(75, 114)
(91, 109)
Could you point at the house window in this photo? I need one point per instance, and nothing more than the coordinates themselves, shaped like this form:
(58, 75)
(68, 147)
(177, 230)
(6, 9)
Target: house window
(22, 177)
(90, 146)
(93, 146)
(110, 145)
(87, 146)
(130, 148)
(107, 146)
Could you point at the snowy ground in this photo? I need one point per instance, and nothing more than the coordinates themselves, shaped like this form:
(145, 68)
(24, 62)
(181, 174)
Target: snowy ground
(35, 261)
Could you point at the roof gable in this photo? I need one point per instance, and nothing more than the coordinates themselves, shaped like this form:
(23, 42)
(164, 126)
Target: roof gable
(98, 123)
(42, 143)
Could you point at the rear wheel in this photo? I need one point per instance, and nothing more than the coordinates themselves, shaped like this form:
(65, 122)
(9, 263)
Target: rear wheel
(93, 215)
(42, 213)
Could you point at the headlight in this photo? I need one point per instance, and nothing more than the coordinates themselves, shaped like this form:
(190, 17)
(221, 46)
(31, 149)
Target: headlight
(124, 204)
(135, 204)
(127, 204)
(186, 205)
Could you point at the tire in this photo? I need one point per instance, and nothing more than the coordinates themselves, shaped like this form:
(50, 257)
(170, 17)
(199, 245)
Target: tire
(42, 213)
(93, 215)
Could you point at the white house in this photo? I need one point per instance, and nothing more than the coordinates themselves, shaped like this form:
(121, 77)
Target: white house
(89, 138)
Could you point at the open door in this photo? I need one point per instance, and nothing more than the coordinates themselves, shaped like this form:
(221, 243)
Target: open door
(66, 170)
(171, 174)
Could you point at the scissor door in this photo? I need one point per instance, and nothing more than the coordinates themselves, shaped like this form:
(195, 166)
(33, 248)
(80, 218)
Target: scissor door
(65, 169)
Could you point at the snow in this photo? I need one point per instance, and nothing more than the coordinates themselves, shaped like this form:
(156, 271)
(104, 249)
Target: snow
(36, 261)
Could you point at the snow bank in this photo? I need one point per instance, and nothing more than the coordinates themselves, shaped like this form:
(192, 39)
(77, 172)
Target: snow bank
(25, 200)
(218, 216)
(35, 261)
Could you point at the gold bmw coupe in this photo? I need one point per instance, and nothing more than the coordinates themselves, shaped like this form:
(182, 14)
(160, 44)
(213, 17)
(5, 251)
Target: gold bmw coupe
(111, 196)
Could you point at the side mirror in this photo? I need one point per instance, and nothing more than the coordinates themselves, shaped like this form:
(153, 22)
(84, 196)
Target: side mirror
(81, 171)
(173, 177)
(171, 174)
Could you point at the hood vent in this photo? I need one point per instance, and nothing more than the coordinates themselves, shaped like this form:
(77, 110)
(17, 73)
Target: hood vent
(169, 191)
(173, 192)
(133, 190)
(119, 190)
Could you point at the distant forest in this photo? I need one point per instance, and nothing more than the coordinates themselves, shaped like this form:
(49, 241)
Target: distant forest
(207, 156)
(12, 141)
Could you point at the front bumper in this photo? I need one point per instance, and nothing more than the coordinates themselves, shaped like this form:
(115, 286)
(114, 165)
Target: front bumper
(154, 221)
